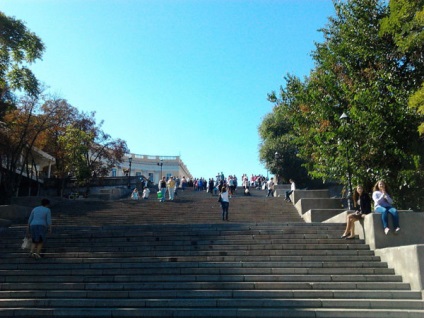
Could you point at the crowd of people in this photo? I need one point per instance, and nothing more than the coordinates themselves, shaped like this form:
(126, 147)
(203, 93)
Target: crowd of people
(224, 187)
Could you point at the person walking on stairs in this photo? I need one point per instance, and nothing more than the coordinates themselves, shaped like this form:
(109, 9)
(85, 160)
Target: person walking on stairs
(289, 192)
(270, 186)
(39, 222)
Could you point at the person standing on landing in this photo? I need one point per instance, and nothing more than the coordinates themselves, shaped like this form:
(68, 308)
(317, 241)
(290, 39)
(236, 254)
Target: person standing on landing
(171, 188)
(39, 222)
(225, 203)
(383, 204)
(162, 189)
(362, 204)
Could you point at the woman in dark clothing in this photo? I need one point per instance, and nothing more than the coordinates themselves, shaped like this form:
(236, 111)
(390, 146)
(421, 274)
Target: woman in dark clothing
(362, 204)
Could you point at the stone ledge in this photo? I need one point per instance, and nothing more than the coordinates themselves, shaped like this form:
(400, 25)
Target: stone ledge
(320, 215)
(15, 212)
(309, 194)
(4, 223)
(371, 229)
(403, 252)
(407, 261)
(411, 223)
(305, 204)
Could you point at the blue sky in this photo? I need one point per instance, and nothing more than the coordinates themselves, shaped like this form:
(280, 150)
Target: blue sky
(176, 77)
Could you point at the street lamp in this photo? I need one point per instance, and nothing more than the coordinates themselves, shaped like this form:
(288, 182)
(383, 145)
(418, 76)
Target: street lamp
(345, 118)
(129, 172)
(160, 164)
(277, 157)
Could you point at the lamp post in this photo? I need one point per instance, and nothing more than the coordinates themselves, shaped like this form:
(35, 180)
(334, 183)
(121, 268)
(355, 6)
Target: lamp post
(277, 157)
(129, 172)
(345, 118)
(160, 164)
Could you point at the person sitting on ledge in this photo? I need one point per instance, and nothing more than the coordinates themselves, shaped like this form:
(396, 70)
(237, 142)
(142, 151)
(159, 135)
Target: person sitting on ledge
(383, 204)
(362, 204)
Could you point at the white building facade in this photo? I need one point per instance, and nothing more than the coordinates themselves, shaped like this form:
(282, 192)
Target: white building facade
(151, 167)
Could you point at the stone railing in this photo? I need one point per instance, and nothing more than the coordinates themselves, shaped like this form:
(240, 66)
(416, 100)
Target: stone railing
(404, 252)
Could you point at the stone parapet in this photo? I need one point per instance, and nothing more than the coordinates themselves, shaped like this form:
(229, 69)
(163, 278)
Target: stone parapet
(408, 261)
(4, 223)
(309, 194)
(411, 223)
(305, 204)
(320, 215)
(370, 229)
(403, 251)
(15, 212)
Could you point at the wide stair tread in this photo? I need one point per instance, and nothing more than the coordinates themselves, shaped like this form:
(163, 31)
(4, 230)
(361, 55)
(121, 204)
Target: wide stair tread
(188, 207)
(106, 259)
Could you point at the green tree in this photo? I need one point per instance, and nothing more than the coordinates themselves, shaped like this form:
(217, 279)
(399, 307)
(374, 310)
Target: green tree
(19, 134)
(276, 132)
(417, 102)
(89, 151)
(65, 116)
(18, 48)
(405, 24)
(360, 72)
(76, 143)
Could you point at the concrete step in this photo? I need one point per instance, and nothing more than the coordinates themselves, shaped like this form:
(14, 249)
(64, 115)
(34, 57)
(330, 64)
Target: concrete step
(95, 266)
(306, 204)
(211, 312)
(199, 285)
(267, 294)
(199, 277)
(301, 261)
(213, 303)
(147, 259)
(320, 215)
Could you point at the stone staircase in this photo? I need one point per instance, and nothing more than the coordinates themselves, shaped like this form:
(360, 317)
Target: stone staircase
(189, 207)
(179, 259)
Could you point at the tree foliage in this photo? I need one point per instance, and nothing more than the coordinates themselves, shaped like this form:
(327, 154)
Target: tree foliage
(20, 132)
(33, 121)
(19, 47)
(405, 24)
(89, 150)
(417, 102)
(361, 71)
(276, 132)
(78, 144)
(81, 148)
